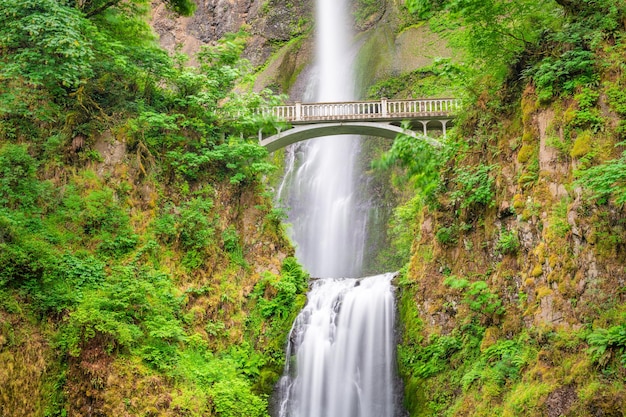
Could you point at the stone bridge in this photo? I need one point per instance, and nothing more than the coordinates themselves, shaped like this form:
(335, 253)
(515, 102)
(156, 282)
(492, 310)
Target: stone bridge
(371, 118)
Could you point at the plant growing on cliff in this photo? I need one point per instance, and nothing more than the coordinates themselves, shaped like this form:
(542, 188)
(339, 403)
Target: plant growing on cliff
(419, 160)
(508, 243)
(477, 295)
(607, 180)
(474, 185)
(604, 343)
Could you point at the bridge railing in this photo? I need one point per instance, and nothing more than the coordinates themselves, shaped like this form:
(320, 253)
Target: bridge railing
(360, 110)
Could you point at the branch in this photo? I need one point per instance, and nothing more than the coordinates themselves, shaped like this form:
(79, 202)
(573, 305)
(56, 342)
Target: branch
(101, 8)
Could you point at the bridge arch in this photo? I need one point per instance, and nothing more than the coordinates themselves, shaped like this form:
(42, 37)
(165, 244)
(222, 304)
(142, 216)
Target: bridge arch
(305, 132)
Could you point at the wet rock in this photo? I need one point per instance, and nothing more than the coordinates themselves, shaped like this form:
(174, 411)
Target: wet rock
(560, 401)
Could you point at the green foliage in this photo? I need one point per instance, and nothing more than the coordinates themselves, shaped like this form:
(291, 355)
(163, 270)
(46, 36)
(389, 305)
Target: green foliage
(244, 161)
(194, 227)
(420, 161)
(448, 235)
(424, 8)
(47, 43)
(402, 231)
(496, 32)
(19, 187)
(431, 359)
(443, 78)
(475, 186)
(603, 343)
(276, 295)
(477, 295)
(77, 255)
(605, 180)
(234, 398)
(102, 212)
(190, 227)
(554, 75)
(497, 365)
(508, 243)
(232, 245)
(131, 305)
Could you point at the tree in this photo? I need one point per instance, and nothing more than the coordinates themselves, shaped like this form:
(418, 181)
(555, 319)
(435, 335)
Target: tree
(95, 7)
(44, 43)
(495, 31)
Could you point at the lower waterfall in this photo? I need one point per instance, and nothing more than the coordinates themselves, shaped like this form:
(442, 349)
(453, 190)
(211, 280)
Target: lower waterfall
(343, 348)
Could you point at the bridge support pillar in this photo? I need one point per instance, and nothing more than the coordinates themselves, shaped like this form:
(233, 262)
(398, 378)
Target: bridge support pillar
(425, 125)
(444, 124)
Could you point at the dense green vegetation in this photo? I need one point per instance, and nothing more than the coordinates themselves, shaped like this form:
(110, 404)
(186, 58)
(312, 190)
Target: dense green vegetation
(143, 270)
(132, 278)
(512, 294)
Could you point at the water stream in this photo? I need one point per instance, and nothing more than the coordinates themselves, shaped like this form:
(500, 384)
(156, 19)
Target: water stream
(341, 349)
(342, 343)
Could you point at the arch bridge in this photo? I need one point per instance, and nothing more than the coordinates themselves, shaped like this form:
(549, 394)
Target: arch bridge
(371, 118)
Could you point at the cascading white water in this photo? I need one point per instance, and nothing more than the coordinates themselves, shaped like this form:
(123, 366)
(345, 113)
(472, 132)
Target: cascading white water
(327, 222)
(341, 358)
(344, 351)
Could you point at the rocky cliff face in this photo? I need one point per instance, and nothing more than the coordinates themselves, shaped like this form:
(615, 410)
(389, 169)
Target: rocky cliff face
(269, 23)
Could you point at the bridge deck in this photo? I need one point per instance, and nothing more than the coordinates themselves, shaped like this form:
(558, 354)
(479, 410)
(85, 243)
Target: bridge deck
(375, 111)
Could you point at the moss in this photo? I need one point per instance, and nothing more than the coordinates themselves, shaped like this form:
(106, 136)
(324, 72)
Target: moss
(537, 271)
(543, 292)
(582, 144)
(525, 153)
(492, 334)
(553, 260)
(518, 202)
(529, 137)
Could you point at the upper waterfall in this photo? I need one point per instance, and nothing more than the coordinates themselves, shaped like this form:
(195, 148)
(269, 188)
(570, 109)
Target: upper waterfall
(328, 226)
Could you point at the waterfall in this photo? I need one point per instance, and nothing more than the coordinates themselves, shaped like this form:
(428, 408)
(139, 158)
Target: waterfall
(344, 351)
(328, 223)
(340, 355)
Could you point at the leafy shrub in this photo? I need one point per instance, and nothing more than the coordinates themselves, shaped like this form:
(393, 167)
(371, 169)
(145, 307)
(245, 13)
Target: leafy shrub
(477, 295)
(195, 223)
(571, 69)
(605, 180)
(47, 41)
(420, 161)
(234, 398)
(474, 186)
(497, 364)
(433, 358)
(19, 187)
(605, 342)
(275, 295)
(448, 236)
(508, 243)
(230, 239)
(244, 161)
(25, 261)
(130, 306)
(102, 213)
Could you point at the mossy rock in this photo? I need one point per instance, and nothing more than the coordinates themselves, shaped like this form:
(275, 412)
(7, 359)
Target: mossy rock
(525, 153)
(582, 144)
